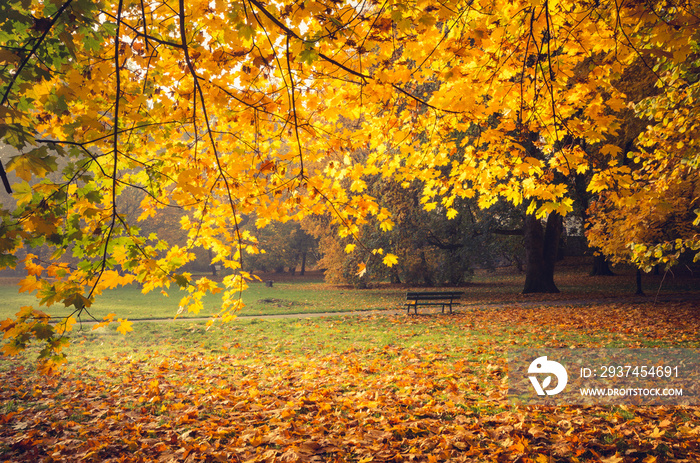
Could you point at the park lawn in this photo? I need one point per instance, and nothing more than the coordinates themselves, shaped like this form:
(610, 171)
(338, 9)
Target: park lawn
(365, 388)
(290, 297)
(294, 295)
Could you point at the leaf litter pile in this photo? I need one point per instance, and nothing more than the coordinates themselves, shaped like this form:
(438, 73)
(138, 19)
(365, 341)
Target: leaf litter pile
(383, 388)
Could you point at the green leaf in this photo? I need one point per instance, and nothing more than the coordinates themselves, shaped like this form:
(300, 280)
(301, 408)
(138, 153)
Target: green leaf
(8, 260)
(308, 56)
(109, 28)
(181, 281)
(247, 31)
(43, 331)
(22, 193)
(77, 300)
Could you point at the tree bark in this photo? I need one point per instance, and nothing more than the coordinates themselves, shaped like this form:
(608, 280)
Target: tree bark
(428, 279)
(212, 266)
(601, 267)
(541, 247)
(518, 264)
(640, 291)
(394, 276)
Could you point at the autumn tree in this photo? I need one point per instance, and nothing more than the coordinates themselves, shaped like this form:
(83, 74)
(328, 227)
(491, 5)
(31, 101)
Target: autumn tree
(244, 107)
(651, 217)
(431, 249)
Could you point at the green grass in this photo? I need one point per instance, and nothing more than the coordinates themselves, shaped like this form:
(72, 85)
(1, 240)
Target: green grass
(447, 337)
(286, 336)
(291, 338)
(282, 298)
(305, 295)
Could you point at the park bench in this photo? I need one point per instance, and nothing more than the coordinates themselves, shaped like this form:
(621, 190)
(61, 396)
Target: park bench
(443, 298)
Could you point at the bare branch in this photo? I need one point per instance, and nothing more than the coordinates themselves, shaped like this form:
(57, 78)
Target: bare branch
(115, 147)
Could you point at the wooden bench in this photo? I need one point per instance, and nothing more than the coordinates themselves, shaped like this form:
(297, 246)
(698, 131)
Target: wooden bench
(443, 298)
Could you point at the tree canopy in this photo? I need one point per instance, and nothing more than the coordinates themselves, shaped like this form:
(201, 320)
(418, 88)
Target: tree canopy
(225, 109)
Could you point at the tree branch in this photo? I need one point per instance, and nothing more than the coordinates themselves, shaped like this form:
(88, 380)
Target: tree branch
(197, 86)
(294, 112)
(31, 53)
(115, 147)
(21, 66)
(293, 34)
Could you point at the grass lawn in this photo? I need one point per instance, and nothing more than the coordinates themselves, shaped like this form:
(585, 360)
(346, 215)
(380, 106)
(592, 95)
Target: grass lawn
(300, 296)
(293, 295)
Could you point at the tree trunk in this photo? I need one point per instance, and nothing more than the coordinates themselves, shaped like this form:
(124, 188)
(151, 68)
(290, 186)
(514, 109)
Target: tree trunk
(303, 264)
(518, 264)
(639, 292)
(394, 275)
(427, 274)
(541, 247)
(212, 266)
(601, 267)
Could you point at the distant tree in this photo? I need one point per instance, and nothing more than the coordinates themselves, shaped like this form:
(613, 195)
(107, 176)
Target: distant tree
(431, 250)
(282, 246)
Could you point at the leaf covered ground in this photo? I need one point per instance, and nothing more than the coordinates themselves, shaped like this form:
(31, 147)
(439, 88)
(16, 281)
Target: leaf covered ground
(377, 388)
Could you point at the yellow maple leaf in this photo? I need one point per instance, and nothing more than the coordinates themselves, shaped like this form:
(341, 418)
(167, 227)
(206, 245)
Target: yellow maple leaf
(25, 311)
(67, 324)
(124, 326)
(387, 225)
(29, 284)
(390, 260)
(22, 193)
(111, 279)
(6, 324)
(11, 348)
(518, 447)
(610, 149)
(48, 366)
(106, 320)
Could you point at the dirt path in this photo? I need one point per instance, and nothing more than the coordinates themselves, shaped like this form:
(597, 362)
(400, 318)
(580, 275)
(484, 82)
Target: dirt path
(692, 297)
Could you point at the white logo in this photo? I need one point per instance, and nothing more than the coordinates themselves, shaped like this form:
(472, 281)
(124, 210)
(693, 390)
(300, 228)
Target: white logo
(549, 367)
